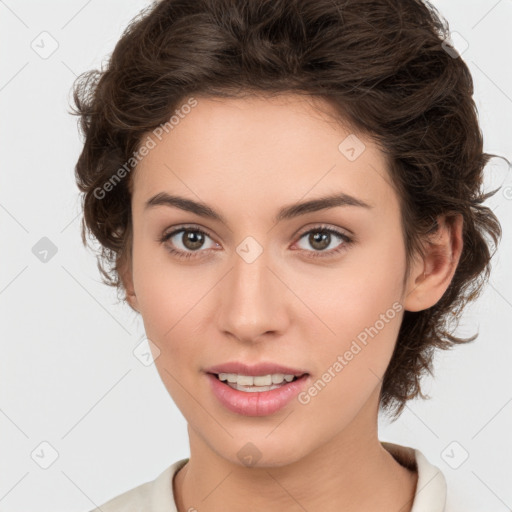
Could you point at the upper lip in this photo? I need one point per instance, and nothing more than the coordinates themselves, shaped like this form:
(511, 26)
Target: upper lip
(255, 370)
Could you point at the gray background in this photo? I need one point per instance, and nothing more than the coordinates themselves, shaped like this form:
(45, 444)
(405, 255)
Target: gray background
(70, 379)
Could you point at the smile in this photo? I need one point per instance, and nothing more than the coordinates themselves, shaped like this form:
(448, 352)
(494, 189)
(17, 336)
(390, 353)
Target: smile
(256, 383)
(249, 395)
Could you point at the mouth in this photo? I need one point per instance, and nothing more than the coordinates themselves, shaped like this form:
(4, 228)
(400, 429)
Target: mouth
(257, 383)
(256, 395)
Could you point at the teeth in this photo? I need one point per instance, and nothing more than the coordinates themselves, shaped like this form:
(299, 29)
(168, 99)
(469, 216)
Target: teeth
(254, 389)
(260, 380)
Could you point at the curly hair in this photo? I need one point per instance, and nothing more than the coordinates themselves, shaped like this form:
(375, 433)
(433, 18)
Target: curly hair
(386, 69)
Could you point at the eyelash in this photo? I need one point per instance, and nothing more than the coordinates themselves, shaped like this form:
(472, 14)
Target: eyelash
(316, 254)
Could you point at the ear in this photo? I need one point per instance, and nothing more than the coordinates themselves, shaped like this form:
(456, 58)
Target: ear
(431, 275)
(126, 276)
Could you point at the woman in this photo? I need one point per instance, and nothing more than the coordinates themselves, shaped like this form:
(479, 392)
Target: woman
(289, 193)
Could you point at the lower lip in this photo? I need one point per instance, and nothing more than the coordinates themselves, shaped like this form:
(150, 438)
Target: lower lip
(256, 403)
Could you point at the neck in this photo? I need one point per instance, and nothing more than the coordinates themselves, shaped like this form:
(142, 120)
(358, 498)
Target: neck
(352, 472)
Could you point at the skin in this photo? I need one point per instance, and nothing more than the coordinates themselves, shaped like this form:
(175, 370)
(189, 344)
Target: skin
(246, 158)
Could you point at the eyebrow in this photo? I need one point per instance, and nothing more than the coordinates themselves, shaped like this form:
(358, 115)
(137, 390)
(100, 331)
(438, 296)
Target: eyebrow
(285, 213)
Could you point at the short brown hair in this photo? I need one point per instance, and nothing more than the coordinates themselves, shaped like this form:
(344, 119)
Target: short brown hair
(383, 66)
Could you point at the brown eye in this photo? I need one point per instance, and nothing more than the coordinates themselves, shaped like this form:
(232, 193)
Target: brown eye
(185, 242)
(319, 239)
(192, 240)
(322, 238)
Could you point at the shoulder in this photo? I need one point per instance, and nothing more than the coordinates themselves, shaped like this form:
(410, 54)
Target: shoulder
(151, 496)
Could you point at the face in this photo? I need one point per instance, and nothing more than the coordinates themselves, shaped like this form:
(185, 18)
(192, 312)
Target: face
(316, 290)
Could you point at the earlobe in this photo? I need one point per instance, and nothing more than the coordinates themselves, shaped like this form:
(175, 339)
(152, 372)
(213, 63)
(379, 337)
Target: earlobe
(125, 275)
(131, 297)
(132, 300)
(430, 276)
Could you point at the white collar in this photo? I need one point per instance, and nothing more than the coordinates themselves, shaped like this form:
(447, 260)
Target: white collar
(431, 486)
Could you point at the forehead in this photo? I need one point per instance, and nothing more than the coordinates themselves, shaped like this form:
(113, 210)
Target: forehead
(262, 149)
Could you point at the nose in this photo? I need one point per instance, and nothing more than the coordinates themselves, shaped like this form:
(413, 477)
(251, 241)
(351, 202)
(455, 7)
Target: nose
(252, 301)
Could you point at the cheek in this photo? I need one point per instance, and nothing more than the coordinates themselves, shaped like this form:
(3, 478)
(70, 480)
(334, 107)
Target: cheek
(360, 302)
(166, 292)
(365, 314)
(170, 305)
(175, 301)
(353, 296)
(366, 303)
